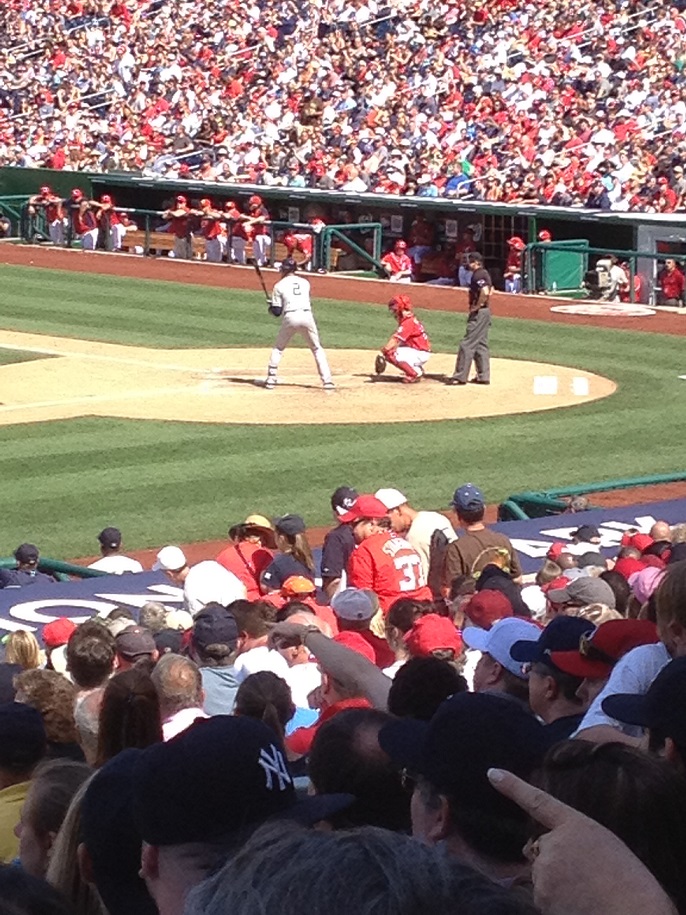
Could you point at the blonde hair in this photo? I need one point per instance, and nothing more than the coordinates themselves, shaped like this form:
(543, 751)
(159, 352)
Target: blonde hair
(63, 870)
(22, 648)
(595, 613)
(298, 547)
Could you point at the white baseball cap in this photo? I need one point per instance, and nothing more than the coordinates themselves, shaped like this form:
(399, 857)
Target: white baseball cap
(170, 559)
(391, 498)
(498, 640)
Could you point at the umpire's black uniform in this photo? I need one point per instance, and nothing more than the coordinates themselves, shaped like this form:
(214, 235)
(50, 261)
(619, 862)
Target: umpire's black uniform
(474, 345)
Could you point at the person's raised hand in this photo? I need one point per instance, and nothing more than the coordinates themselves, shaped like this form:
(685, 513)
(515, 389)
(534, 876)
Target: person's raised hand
(287, 635)
(580, 867)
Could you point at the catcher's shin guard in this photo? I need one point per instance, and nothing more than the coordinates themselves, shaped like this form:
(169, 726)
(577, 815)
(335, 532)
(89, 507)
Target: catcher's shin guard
(403, 366)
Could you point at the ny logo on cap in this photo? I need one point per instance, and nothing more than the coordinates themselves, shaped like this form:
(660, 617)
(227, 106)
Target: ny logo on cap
(274, 765)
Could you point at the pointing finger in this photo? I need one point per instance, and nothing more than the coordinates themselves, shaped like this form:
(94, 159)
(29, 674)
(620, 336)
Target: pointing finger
(544, 808)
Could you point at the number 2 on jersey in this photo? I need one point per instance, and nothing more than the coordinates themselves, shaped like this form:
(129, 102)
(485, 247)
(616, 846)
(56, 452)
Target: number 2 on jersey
(295, 289)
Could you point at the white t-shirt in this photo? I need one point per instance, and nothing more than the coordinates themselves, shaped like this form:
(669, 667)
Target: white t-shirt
(302, 679)
(631, 674)
(292, 293)
(258, 659)
(116, 565)
(420, 533)
(209, 581)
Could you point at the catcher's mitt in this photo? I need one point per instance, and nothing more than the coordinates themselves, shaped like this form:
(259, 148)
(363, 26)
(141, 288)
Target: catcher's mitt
(380, 364)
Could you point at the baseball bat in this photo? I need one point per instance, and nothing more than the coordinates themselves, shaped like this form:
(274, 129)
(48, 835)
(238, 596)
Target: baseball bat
(262, 282)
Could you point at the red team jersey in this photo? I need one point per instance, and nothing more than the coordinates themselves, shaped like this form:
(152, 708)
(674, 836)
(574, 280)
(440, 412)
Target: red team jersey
(390, 567)
(411, 332)
(397, 262)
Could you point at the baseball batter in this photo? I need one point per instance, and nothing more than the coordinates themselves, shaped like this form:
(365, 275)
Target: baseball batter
(291, 300)
(409, 347)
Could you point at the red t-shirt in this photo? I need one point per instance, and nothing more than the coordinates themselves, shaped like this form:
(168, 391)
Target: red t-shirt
(672, 283)
(300, 741)
(178, 226)
(411, 332)
(390, 567)
(247, 561)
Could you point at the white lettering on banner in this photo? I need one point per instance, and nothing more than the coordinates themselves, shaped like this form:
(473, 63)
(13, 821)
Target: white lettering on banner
(28, 610)
(610, 535)
(137, 600)
(274, 765)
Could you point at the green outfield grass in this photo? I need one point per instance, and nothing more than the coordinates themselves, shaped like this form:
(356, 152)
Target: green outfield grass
(166, 482)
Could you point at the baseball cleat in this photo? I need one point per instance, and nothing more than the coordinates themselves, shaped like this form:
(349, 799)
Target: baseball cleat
(478, 381)
(270, 384)
(329, 386)
(454, 380)
(408, 380)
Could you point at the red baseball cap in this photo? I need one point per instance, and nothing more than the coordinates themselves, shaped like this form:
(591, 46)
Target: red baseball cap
(555, 550)
(626, 566)
(600, 649)
(356, 642)
(45, 190)
(365, 506)
(58, 632)
(638, 541)
(430, 633)
(487, 607)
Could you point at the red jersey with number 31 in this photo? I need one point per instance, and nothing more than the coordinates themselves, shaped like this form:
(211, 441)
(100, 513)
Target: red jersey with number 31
(411, 332)
(390, 567)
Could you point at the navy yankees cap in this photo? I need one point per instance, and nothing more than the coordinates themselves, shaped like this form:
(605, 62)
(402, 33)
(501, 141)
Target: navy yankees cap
(214, 779)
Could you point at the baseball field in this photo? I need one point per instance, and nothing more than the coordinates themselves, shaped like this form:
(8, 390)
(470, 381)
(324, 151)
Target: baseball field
(134, 401)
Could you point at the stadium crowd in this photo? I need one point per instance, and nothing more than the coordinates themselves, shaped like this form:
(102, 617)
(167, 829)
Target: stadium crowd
(475, 742)
(569, 104)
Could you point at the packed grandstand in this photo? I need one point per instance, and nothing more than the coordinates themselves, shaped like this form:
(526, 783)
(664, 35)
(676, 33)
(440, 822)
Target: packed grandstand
(571, 104)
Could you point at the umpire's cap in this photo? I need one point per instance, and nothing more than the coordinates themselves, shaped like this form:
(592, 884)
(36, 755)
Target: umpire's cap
(288, 265)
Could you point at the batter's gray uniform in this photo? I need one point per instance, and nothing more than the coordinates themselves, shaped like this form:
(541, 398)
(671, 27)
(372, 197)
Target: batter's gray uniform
(292, 294)
(474, 344)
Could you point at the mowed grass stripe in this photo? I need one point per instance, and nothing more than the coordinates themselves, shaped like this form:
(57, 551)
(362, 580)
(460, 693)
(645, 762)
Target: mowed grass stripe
(175, 481)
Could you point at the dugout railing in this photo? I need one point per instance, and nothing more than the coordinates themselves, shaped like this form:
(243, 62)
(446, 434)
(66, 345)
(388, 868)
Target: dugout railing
(566, 268)
(63, 571)
(364, 240)
(540, 504)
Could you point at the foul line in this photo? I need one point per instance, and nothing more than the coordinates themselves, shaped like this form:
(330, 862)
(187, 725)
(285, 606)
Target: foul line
(96, 398)
(101, 357)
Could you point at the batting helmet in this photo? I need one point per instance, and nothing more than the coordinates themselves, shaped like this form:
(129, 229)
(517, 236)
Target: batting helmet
(400, 303)
(288, 265)
(254, 201)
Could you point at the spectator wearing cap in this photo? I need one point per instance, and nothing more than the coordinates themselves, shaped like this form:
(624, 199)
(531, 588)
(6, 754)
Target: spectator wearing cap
(132, 645)
(496, 670)
(110, 842)
(304, 591)
(26, 572)
(580, 592)
(113, 561)
(552, 692)
(338, 543)
(660, 711)
(453, 803)
(429, 533)
(354, 611)
(294, 556)
(250, 552)
(387, 565)
(198, 798)
(584, 539)
(513, 266)
(213, 647)
(55, 636)
(599, 651)
(22, 746)
(435, 636)
(478, 545)
(420, 687)
(178, 682)
(204, 583)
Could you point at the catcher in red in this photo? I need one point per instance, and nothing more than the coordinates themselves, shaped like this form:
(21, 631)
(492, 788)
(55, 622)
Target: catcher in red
(409, 347)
